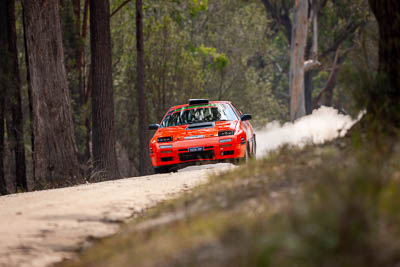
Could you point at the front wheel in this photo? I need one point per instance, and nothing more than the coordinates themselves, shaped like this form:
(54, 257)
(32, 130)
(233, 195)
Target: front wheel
(162, 169)
(245, 159)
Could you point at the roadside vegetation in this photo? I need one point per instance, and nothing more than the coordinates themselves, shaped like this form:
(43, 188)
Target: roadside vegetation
(336, 204)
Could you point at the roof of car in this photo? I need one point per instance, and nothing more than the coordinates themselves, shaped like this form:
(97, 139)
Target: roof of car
(211, 102)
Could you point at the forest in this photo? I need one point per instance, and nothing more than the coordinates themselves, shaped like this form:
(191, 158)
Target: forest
(80, 80)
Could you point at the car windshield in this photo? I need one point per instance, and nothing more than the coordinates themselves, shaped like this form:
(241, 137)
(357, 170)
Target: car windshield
(197, 114)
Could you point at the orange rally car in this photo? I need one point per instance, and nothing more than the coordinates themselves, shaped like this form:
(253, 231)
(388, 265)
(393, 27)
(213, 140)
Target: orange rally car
(201, 131)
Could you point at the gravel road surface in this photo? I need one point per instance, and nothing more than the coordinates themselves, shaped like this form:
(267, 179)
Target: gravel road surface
(41, 228)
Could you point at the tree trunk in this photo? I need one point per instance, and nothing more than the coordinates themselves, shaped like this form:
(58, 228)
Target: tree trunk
(3, 73)
(314, 20)
(311, 52)
(11, 93)
(308, 76)
(3, 88)
(308, 89)
(3, 185)
(81, 61)
(28, 80)
(83, 83)
(55, 155)
(141, 99)
(385, 96)
(296, 76)
(14, 102)
(103, 132)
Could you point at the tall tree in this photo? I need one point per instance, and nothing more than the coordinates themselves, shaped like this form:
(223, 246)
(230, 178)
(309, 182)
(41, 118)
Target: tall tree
(141, 99)
(11, 86)
(3, 88)
(3, 185)
(297, 50)
(55, 155)
(28, 79)
(14, 103)
(384, 98)
(103, 133)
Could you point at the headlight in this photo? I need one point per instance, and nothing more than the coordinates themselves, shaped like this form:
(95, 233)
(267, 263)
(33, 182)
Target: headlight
(164, 139)
(225, 133)
(225, 140)
(166, 146)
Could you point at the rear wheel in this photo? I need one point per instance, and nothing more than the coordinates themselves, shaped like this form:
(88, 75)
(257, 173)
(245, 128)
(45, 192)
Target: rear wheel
(247, 154)
(254, 145)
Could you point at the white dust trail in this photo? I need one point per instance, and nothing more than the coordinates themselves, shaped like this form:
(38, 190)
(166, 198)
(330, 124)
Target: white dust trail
(322, 125)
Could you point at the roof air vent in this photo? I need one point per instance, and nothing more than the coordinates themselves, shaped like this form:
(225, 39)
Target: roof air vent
(198, 102)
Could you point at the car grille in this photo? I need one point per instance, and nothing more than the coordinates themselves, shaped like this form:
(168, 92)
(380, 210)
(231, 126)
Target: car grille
(209, 154)
(166, 159)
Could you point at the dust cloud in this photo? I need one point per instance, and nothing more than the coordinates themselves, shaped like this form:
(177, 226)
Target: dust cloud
(324, 124)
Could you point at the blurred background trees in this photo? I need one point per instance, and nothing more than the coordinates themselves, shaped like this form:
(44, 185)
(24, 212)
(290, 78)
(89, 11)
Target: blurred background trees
(236, 50)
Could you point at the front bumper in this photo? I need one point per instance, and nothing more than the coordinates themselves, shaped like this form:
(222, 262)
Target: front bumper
(213, 150)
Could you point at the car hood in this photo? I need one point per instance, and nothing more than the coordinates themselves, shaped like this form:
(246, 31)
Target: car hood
(184, 132)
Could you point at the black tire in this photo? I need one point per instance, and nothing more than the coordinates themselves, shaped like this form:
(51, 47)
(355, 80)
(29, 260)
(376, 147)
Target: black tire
(247, 154)
(246, 157)
(162, 169)
(254, 152)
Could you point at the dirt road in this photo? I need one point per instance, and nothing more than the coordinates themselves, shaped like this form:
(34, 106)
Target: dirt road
(42, 228)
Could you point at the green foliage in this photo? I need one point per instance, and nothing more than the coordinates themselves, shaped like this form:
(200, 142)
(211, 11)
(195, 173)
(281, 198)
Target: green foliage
(219, 60)
(340, 24)
(359, 70)
(197, 6)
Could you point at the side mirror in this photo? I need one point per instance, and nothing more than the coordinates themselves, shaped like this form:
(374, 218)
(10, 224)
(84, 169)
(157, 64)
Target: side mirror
(154, 127)
(245, 117)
